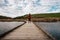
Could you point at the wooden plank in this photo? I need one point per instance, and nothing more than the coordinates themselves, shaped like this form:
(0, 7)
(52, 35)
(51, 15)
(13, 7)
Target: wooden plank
(27, 32)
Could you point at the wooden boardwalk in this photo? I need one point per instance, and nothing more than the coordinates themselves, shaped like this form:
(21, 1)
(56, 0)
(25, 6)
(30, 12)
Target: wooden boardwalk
(28, 31)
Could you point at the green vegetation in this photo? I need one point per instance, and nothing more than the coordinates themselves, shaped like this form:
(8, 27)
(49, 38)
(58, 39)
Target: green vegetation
(19, 17)
(46, 15)
(4, 17)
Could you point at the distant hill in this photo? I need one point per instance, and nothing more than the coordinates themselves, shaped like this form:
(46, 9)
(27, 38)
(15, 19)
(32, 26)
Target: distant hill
(19, 17)
(4, 17)
(46, 15)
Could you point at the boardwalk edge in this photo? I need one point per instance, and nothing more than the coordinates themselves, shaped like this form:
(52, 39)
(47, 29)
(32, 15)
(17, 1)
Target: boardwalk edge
(11, 30)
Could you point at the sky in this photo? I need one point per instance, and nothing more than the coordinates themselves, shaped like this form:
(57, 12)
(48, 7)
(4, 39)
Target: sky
(14, 8)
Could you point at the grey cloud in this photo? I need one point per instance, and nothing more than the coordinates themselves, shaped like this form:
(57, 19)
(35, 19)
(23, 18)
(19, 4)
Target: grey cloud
(12, 7)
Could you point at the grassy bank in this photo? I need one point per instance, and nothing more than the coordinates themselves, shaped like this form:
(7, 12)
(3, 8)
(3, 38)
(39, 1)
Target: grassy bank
(47, 17)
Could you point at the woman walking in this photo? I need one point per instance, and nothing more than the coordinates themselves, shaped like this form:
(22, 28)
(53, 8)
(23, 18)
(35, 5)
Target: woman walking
(29, 17)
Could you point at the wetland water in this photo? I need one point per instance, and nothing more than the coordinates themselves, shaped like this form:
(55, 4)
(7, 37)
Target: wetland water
(6, 26)
(52, 28)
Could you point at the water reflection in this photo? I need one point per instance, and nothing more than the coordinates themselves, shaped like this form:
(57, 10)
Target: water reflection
(6, 26)
(51, 27)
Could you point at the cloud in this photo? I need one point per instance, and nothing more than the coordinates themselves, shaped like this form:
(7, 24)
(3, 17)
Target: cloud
(55, 7)
(15, 8)
(36, 3)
